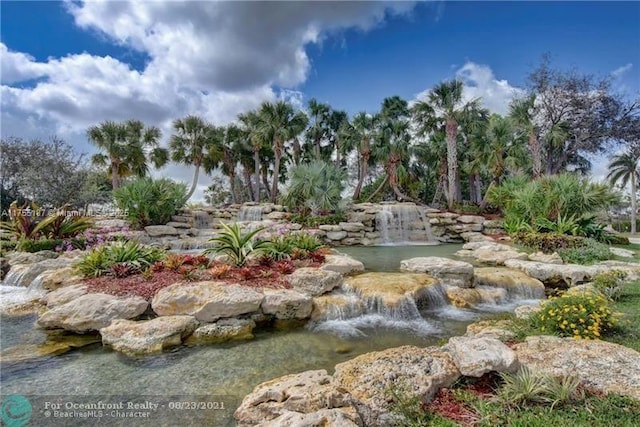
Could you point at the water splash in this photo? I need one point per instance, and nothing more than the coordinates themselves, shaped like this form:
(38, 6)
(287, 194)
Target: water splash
(16, 275)
(250, 213)
(403, 223)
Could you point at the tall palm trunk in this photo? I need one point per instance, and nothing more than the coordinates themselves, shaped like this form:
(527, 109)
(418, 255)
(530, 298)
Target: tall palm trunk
(247, 180)
(296, 151)
(534, 146)
(393, 179)
(634, 208)
(256, 166)
(364, 169)
(452, 161)
(115, 175)
(194, 183)
(276, 171)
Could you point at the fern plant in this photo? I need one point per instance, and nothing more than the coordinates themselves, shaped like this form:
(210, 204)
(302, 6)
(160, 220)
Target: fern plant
(236, 244)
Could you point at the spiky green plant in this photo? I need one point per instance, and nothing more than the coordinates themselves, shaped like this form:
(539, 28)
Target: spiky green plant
(278, 248)
(99, 261)
(237, 245)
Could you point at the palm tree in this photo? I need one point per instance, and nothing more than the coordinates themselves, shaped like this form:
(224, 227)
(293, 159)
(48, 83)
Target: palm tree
(623, 168)
(189, 144)
(522, 111)
(448, 107)
(127, 148)
(250, 122)
(363, 128)
(278, 123)
(319, 114)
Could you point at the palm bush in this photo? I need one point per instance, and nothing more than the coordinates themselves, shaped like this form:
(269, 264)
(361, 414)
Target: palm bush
(150, 202)
(278, 248)
(305, 242)
(236, 244)
(130, 257)
(315, 187)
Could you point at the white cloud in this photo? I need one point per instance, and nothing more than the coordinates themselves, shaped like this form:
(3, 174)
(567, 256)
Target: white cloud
(620, 71)
(480, 82)
(214, 59)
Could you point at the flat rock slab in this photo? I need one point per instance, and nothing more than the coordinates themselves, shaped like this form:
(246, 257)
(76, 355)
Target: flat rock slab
(555, 275)
(391, 289)
(286, 304)
(605, 366)
(517, 283)
(149, 336)
(304, 393)
(64, 295)
(207, 301)
(476, 356)
(450, 272)
(160, 230)
(417, 371)
(342, 264)
(314, 281)
(223, 330)
(92, 312)
(337, 417)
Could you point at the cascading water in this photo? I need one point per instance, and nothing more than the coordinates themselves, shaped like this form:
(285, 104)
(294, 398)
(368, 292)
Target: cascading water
(250, 213)
(403, 223)
(12, 290)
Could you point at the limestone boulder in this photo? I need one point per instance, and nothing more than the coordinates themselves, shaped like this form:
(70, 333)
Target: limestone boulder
(337, 305)
(476, 356)
(527, 310)
(207, 301)
(26, 274)
(304, 393)
(632, 269)
(499, 329)
(604, 366)
(555, 275)
(336, 235)
(58, 278)
(471, 219)
(314, 281)
(622, 253)
(336, 417)
(463, 297)
(418, 371)
(64, 295)
(149, 336)
(489, 252)
(392, 290)
(552, 258)
(223, 330)
(160, 230)
(450, 272)
(342, 264)
(286, 304)
(92, 312)
(516, 282)
(352, 227)
(15, 258)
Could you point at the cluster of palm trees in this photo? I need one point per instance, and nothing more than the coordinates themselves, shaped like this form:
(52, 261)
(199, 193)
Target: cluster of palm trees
(441, 148)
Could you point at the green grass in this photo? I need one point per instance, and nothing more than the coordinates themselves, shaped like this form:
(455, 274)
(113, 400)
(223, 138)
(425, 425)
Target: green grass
(628, 334)
(632, 247)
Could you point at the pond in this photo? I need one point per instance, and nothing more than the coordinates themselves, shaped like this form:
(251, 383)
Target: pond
(232, 370)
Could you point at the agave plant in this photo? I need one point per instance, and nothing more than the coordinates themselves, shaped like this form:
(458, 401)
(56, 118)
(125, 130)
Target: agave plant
(236, 245)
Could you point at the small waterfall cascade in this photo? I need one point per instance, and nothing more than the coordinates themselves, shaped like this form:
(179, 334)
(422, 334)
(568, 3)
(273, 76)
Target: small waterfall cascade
(13, 290)
(250, 213)
(16, 275)
(202, 220)
(403, 223)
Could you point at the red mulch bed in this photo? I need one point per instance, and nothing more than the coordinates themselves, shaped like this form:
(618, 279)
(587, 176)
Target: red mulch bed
(253, 275)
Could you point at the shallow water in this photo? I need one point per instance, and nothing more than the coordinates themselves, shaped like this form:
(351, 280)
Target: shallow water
(388, 257)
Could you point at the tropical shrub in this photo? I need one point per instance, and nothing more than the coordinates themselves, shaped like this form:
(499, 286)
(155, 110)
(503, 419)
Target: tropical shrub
(586, 316)
(526, 387)
(315, 187)
(314, 221)
(51, 245)
(305, 242)
(128, 257)
(236, 244)
(555, 198)
(150, 202)
(546, 242)
(25, 222)
(64, 226)
(278, 248)
(588, 252)
(610, 284)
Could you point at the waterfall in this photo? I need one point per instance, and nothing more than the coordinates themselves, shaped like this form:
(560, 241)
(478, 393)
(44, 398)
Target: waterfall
(14, 292)
(250, 213)
(201, 219)
(16, 275)
(403, 223)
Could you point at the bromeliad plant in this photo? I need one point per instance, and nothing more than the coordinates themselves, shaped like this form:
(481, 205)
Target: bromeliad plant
(237, 245)
(119, 259)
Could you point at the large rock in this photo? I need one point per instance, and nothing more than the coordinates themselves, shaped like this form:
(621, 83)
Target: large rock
(555, 275)
(92, 312)
(499, 329)
(207, 301)
(470, 219)
(15, 258)
(336, 235)
(605, 366)
(489, 252)
(450, 272)
(517, 283)
(342, 264)
(463, 297)
(552, 258)
(287, 304)
(337, 417)
(64, 295)
(392, 291)
(337, 305)
(304, 393)
(476, 356)
(417, 371)
(223, 330)
(62, 277)
(314, 281)
(622, 253)
(160, 230)
(26, 274)
(149, 336)
(632, 269)
(352, 227)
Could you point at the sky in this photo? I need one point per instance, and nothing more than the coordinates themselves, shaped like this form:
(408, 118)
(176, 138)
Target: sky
(69, 65)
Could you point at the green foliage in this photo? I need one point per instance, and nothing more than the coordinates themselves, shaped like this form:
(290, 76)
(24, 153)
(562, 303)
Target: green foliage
(7, 246)
(610, 284)
(558, 199)
(526, 387)
(407, 407)
(314, 221)
(64, 225)
(315, 187)
(150, 202)
(546, 242)
(236, 245)
(305, 242)
(588, 252)
(26, 222)
(278, 248)
(127, 257)
(586, 316)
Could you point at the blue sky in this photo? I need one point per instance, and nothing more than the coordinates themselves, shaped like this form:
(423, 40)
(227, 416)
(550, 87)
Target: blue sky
(66, 66)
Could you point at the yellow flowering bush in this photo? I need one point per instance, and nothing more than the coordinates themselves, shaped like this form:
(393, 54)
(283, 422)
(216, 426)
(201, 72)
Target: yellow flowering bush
(582, 316)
